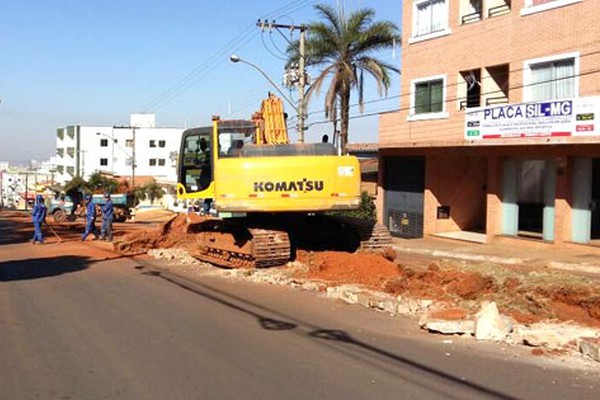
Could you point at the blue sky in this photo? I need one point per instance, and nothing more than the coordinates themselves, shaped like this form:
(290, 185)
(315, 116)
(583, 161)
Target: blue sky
(95, 62)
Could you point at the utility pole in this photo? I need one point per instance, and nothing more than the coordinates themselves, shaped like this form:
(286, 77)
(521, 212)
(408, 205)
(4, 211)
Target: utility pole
(133, 160)
(301, 108)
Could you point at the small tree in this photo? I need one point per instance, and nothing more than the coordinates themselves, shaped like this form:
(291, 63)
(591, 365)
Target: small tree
(75, 189)
(100, 183)
(151, 190)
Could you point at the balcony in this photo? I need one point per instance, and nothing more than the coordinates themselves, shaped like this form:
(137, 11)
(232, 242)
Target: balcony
(60, 169)
(498, 7)
(71, 132)
(60, 152)
(60, 133)
(71, 171)
(71, 151)
(483, 86)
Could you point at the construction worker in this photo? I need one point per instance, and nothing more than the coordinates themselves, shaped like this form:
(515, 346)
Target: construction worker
(38, 216)
(108, 215)
(90, 217)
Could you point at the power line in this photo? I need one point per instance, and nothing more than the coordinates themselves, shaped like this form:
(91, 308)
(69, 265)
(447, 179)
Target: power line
(448, 86)
(210, 64)
(453, 99)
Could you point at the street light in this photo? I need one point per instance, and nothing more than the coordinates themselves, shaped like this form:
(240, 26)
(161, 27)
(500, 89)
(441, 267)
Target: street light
(298, 108)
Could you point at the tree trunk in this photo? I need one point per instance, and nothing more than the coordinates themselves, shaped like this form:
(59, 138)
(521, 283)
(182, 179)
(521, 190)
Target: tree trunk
(345, 114)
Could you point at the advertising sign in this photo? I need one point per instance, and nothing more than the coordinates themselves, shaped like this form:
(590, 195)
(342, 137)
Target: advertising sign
(552, 118)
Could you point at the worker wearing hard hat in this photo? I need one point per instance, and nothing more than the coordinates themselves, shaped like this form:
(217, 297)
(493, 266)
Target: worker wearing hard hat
(90, 219)
(38, 216)
(108, 215)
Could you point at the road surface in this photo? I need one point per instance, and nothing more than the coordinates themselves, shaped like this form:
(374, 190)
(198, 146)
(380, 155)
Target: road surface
(76, 326)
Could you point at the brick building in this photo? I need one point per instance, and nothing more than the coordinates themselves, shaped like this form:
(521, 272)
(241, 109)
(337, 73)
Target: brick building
(498, 130)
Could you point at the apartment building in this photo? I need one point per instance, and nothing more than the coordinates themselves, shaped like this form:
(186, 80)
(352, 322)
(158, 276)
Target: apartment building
(83, 150)
(497, 132)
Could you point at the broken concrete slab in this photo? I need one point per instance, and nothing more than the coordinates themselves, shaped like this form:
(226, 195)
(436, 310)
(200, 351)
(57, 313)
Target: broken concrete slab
(449, 327)
(553, 336)
(489, 324)
(590, 347)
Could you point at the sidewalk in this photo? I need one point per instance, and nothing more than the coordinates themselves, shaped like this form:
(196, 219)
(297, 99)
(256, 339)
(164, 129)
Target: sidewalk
(584, 260)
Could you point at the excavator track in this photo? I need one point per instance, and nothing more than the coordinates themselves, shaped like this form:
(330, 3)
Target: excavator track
(243, 248)
(372, 236)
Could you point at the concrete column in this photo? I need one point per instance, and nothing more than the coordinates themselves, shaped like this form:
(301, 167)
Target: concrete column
(430, 202)
(562, 221)
(494, 199)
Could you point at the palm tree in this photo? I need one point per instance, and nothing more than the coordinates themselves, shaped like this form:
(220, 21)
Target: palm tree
(342, 47)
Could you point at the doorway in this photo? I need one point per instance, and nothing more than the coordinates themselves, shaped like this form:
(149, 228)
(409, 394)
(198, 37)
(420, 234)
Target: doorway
(529, 191)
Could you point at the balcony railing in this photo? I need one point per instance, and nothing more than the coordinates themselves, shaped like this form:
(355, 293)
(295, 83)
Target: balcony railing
(60, 152)
(71, 170)
(490, 101)
(499, 10)
(470, 18)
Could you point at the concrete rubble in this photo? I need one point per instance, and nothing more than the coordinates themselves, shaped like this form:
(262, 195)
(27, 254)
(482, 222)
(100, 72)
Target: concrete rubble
(486, 324)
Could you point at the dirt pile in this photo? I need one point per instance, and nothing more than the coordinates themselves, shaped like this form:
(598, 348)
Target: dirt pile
(173, 233)
(527, 297)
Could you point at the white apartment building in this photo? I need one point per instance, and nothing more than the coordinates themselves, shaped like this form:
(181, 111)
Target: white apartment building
(83, 150)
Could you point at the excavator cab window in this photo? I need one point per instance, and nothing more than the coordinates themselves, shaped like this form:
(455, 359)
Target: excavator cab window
(196, 169)
(231, 142)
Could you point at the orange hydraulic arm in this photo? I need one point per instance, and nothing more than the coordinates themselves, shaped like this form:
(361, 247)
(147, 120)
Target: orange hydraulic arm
(272, 122)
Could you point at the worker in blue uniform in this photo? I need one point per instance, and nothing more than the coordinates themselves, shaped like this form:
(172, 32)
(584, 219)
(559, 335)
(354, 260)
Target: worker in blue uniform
(108, 215)
(38, 216)
(90, 219)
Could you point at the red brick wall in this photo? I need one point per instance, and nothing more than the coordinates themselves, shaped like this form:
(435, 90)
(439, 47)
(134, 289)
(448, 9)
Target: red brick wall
(509, 38)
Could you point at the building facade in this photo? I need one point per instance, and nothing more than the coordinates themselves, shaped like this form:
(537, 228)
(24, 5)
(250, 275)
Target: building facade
(498, 130)
(83, 150)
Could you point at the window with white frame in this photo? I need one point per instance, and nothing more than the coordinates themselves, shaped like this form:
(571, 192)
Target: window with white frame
(535, 6)
(551, 78)
(429, 17)
(428, 96)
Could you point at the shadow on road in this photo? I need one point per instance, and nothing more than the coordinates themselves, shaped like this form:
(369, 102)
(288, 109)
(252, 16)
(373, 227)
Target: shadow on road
(338, 336)
(14, 231)
(20, 270)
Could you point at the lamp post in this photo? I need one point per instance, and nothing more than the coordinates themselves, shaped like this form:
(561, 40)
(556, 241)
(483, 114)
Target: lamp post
(299, 108)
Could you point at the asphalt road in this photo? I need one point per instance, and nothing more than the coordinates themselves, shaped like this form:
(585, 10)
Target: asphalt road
(122, 329)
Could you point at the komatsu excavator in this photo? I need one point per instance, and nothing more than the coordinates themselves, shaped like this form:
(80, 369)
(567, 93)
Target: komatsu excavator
(262, 197)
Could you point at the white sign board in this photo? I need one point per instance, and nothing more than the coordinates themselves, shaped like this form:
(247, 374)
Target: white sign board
(553, 118)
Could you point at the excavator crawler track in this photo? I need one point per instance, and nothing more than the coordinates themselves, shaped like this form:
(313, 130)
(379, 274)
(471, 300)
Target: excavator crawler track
(243, 247)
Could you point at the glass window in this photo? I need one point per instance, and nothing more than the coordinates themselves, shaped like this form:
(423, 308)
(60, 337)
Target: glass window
(162, 143)
(161, 162)
(196, 168)
(128, 143)
(552, 80)
(104, 161)
(152, 162)
(429, 96)
(430, 16)
(153, 143)
(103, 142)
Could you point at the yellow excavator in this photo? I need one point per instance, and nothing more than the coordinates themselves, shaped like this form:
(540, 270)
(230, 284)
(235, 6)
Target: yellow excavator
(260, 197)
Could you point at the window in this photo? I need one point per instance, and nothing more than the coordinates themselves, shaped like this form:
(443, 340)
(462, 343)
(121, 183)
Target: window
(103, 142)
(152, 162)
(128, 143)
(129, 162)
(162, 143)
(551, 78)
(153, 143)
(161, 162)
(104, 162)
(430, 19)
(429, 96)
(535, 6)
